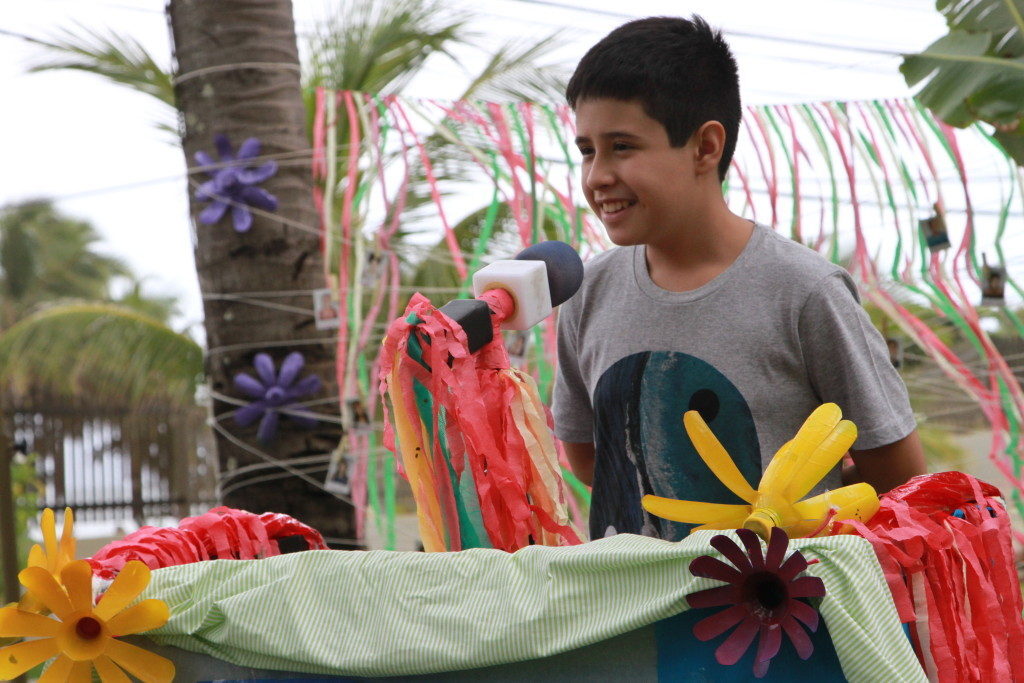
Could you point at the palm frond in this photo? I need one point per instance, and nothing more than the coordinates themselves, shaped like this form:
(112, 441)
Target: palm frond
(62, 261)
(98, 353)
(117, 58)
(513, 72)
(379, 47)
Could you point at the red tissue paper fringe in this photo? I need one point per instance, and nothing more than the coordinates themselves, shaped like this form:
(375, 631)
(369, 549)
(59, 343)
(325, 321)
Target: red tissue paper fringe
(221, 534)
(953, 579)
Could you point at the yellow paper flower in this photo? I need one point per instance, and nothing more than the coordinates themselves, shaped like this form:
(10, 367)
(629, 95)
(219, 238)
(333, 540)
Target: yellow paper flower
(84, 636)
(54, 557)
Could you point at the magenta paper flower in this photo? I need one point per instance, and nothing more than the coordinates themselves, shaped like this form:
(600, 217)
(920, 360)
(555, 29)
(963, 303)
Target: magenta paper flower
(761, 592)
(274, 391)
(233, 185)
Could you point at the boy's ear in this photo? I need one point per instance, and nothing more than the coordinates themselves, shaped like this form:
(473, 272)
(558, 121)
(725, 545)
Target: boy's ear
(710, 139)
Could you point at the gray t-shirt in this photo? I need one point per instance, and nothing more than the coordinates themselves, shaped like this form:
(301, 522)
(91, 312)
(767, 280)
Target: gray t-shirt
(755, 350)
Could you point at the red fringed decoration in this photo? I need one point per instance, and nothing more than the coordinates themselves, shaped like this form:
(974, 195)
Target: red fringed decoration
(943, 541)
(484, 422)
(220, 534)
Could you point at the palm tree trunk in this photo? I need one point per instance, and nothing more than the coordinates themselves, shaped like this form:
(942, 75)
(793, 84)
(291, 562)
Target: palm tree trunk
(238, 74)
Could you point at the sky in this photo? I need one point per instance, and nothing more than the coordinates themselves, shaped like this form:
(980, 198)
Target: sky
(94, 147)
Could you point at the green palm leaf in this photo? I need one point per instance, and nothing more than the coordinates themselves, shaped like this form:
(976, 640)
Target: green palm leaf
(46, 255)
(102, 353)
(117, 58)
(379, 47)
(976, 71)
(512, 72)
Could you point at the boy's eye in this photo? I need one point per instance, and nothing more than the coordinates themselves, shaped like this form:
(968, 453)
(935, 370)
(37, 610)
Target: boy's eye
(586, 151)
(621, 146)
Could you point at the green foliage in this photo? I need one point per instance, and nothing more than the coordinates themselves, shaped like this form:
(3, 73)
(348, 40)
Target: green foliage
(25, 486)
(117, 58)
(976, 71)
(100, 353)
(47, 256)
(941, 451)
(379, 47)
(161, 308)
(25, 489)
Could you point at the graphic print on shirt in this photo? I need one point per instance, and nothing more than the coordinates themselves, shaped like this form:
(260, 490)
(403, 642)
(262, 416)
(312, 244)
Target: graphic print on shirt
(642, 446)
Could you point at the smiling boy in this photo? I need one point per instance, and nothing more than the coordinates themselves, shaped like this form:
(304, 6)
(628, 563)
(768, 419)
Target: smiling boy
(698, 308)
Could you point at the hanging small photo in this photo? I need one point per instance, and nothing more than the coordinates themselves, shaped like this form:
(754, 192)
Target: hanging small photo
(934, 230)
(325, 310)
(338, 471)
(373, 270)
(357, 419)
(993, 284)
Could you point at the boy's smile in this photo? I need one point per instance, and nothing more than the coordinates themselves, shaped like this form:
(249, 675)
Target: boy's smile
(634, 180)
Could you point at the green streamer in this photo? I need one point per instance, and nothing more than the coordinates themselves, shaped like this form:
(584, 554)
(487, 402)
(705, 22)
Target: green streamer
(485, 233)
(819, 137)
(794, 224)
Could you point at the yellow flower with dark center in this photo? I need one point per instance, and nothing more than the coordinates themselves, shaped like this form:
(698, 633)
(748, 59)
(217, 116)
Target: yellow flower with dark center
(84, 636)
(53, 555)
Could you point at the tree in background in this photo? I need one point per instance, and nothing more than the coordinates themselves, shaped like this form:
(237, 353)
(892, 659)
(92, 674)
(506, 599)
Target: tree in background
(46, 256)
(976, 71)
(369, 46)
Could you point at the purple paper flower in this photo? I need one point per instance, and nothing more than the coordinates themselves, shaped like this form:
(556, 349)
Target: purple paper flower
(273, 392)
(234, 185)
(762, 593)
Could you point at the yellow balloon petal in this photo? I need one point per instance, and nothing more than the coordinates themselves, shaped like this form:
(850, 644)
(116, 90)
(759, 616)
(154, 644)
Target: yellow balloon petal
(81, 672)
(36, 557)
(127, 585)
(788, 461)
(142, 664)
(17, 624)
(67, 538)
(60, 671)
(17, 659)
(714, 455)
(856, 501)
(77, 578)
(815, 465)
(48, 525)
(110, 672)
(731, 524)
(145, 616)
(45, 588)
(694, 512)
(30, 603)
(66, 670)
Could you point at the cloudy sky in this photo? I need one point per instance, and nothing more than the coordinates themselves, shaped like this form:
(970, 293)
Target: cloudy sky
(94, 147)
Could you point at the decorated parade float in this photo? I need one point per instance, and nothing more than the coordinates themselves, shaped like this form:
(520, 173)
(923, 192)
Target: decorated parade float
(917, 584)
(842, 585)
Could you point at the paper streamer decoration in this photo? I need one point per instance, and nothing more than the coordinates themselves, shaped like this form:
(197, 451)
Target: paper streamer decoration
(220, 534)
(851, 180)
(943, 541)
(474, 438)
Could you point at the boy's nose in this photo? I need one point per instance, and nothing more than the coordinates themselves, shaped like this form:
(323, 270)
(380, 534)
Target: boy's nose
(598, 174)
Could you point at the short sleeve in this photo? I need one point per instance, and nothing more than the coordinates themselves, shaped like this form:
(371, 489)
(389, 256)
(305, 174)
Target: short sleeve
(571, 408)
(847, 362)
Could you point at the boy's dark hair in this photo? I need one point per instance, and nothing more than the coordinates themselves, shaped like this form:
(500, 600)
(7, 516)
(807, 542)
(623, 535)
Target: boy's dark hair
(680, 70)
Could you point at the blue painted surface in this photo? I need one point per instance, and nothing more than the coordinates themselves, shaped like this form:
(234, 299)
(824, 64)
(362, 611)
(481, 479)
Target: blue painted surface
(681, 657)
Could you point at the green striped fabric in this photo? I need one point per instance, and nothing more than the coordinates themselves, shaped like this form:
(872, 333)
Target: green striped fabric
(384, 613)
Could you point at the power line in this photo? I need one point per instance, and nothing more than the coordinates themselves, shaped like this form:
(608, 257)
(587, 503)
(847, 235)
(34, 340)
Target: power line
(728, 32)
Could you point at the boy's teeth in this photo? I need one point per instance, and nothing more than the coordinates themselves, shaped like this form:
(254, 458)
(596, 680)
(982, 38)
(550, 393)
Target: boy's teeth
(612, 207)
